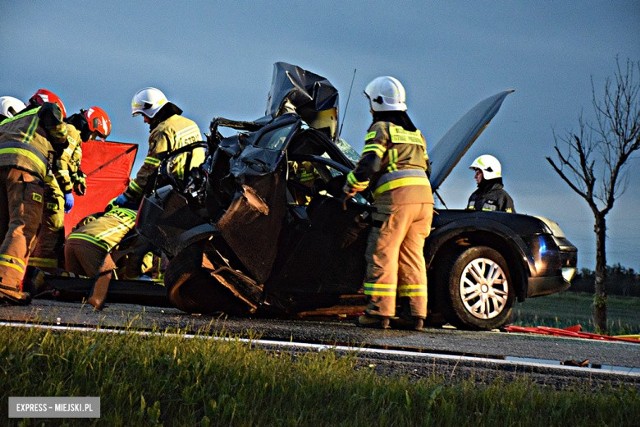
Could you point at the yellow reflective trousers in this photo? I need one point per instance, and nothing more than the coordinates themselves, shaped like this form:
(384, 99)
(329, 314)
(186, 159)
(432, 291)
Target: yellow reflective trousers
(396, 271)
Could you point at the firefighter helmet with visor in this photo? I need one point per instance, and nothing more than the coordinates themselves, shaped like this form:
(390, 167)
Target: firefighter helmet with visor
(386, 93)
(489, 165)
(98, 121)
(148, 101)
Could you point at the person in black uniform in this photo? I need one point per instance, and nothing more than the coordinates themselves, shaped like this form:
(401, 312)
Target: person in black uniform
(490, 194)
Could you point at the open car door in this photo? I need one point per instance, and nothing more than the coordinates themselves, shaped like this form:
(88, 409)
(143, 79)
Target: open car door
(251, 224)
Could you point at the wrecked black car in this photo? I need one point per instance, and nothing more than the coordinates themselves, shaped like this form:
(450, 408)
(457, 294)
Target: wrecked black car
(261, 228)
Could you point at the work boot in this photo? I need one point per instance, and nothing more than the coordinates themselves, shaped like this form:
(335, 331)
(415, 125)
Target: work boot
(10, 295)
(378, 322)
(408, 323)
(35, 282)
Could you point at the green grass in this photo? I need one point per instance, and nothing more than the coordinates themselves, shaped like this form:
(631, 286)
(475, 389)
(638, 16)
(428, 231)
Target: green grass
(174, 380)
(571, 308)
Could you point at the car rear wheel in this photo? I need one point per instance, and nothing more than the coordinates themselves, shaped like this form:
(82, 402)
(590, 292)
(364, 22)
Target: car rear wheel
(480, 292)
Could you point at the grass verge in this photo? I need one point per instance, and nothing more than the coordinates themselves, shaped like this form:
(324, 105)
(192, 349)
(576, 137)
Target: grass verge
(570, 308)
(174, 380)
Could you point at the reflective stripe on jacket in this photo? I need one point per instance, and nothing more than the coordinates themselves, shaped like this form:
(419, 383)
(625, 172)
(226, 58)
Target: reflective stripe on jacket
(171, 134)
(24, 144)
(401, 178)
(108, 230)
(67, 165)
(402, 163)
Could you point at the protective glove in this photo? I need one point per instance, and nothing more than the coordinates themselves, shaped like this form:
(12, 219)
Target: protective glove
(68, 202)
(349, 192)
(121, 200)
(79, 183)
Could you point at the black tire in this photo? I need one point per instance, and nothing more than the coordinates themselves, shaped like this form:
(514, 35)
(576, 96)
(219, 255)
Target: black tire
(192, 289)
(480, 292)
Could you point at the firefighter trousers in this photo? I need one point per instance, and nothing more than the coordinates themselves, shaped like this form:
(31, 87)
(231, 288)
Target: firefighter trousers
(86, 259)
(48, 253)
(396, 275)
(21, 196)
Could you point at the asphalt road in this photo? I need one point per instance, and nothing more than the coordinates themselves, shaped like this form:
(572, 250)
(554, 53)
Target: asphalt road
(440, 350)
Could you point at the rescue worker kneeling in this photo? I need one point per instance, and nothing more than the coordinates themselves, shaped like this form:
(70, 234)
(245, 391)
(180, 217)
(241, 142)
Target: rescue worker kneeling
(88, 249)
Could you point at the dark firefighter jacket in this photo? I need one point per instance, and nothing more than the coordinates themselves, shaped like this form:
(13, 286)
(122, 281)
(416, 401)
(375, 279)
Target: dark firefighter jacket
(491, 196)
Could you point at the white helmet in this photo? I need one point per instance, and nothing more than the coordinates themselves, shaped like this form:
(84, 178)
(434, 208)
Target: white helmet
(489, 165)
(386, 94)
(148, 101)
(10, 106)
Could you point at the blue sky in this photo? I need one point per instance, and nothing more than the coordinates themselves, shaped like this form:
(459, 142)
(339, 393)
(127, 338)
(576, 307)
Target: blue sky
(215, 58)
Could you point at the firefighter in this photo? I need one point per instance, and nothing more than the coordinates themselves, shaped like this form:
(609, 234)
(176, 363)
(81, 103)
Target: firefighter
(169, 130)
(93, 124)
(395, 166)
(305, 175)
(88, 249)
(490, 194)
(29, 143)
(66, 178)
(10, 106)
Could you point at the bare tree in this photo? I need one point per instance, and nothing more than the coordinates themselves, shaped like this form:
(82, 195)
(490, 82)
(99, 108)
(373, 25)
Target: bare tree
(593, 162)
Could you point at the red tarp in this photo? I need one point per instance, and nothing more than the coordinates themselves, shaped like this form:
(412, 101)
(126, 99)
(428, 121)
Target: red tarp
(108, 167)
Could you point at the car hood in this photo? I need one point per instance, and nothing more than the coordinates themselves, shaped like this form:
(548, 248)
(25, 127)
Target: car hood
(454, 144)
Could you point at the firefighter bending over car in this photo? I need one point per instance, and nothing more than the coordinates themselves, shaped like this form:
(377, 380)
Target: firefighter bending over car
(395, 166)
(30, 141)
(65, 178)
(169, 131)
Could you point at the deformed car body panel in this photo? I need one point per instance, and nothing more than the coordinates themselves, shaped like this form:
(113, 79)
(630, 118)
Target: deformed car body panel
(170, 219)
(311, 96)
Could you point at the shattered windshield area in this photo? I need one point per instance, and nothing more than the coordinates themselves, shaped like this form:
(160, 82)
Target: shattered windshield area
(348, 150)
(275, 139)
